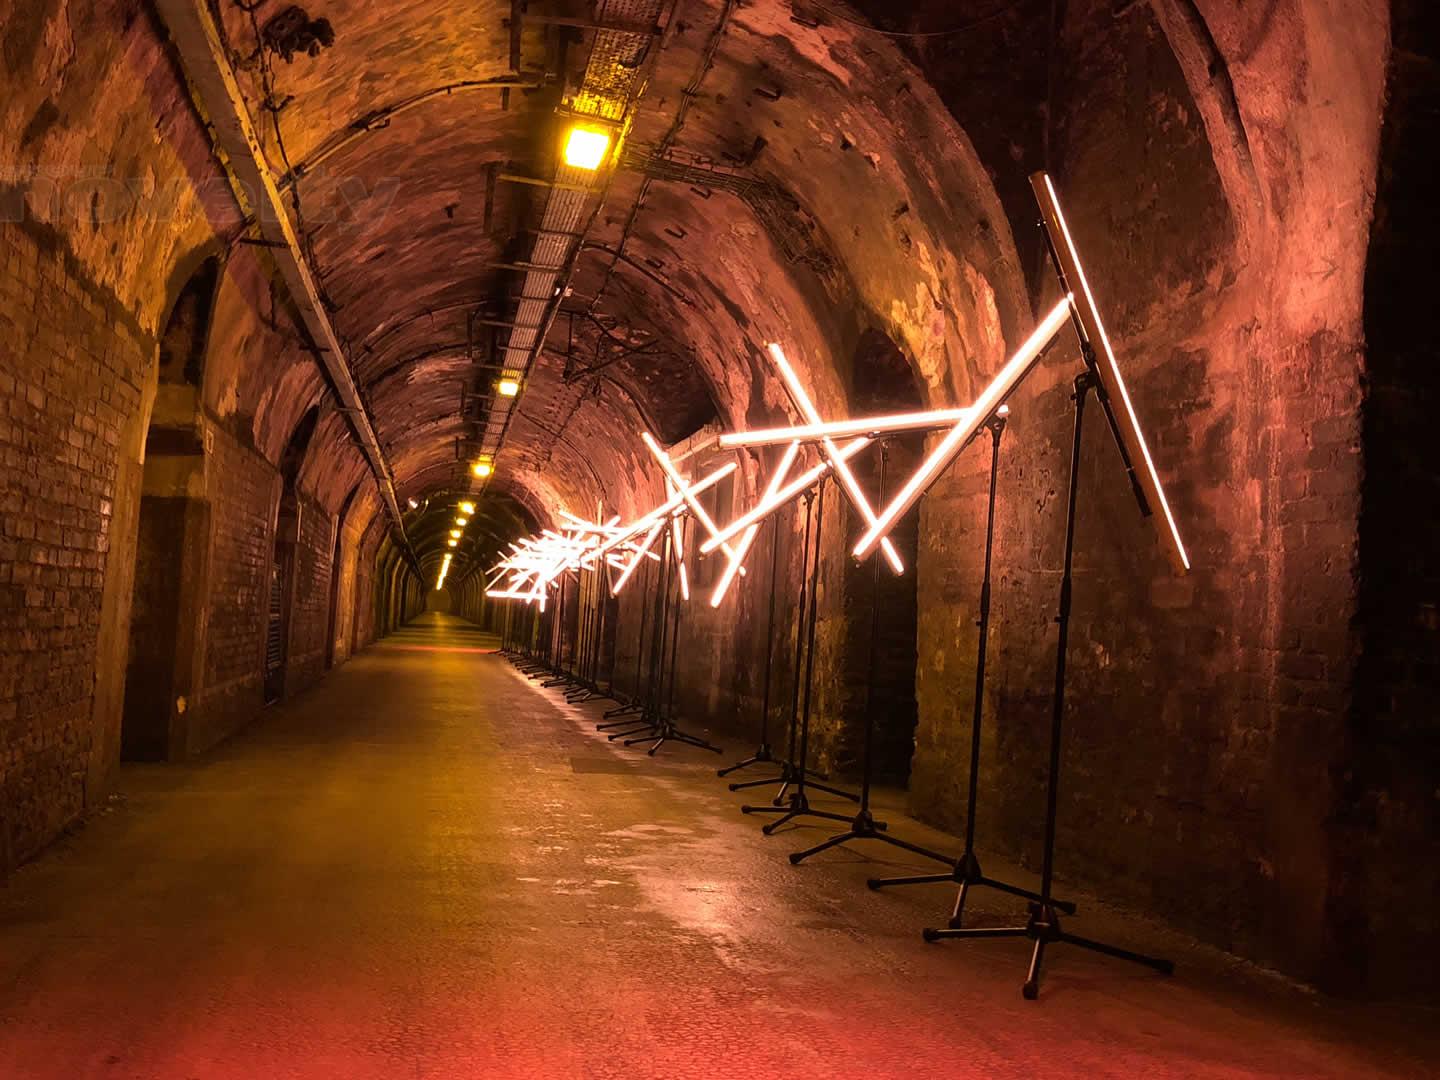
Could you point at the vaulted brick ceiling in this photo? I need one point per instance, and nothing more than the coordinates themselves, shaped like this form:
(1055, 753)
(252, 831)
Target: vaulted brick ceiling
(768, 190)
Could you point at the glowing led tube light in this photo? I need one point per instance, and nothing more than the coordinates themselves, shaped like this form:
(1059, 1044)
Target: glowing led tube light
(669, 507)
(784, 495)
(640, 553)
(842, 470)
(1111, 380)
(685, 492)
(509, 594)
(676, 538)
(743, 547)
(835, 429)
(955, 440)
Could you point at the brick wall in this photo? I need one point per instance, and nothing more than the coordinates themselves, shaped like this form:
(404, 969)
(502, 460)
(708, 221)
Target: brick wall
(243, 491)
(310, 607)
(72, 365)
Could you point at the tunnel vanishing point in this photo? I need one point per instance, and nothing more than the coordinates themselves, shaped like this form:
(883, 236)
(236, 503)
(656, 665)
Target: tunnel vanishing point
(298, 302)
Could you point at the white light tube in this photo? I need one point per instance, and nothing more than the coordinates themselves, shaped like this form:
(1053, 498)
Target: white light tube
(842, 470)
(784, 495)
(670, 506)
(723, 585)
(1110, 377)
(683, 488)
(835, 429)
(955, 440)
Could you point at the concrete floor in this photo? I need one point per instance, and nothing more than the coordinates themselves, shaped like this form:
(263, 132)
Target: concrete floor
(427, 867)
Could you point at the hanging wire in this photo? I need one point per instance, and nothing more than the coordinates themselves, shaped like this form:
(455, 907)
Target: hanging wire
(981, 21)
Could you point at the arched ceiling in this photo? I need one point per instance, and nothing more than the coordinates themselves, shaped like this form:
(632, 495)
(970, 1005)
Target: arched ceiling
(783, 178)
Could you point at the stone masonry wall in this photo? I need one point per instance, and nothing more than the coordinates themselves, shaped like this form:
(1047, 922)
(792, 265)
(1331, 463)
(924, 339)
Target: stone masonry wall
(72, 368)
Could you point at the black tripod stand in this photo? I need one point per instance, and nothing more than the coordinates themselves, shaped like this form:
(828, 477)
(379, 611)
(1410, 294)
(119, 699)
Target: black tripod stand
(864, 826)
(789, 768)
(588, 677)
(1043, 926)
(659, 718)
(798, 804)
(635, 702)
(966, 872)
(764, 754)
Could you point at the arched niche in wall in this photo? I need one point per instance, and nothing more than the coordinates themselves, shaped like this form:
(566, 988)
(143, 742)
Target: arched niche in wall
(163, 657)
(880, 611)
(281, 581)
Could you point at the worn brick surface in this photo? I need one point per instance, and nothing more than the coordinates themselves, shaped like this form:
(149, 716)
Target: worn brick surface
(71, 367)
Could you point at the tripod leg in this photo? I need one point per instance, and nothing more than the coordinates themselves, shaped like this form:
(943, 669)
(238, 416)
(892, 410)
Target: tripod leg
(912, 848)
(1165, 967)
(957, 913)
(797, 856)
(1025, 894)
(751, 760)
(1031, 989)
(755, 783)
(919, 879)
(790, 815)
(694, 740)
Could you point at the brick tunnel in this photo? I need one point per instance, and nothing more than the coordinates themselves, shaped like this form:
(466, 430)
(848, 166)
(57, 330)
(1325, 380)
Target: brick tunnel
(313, 318)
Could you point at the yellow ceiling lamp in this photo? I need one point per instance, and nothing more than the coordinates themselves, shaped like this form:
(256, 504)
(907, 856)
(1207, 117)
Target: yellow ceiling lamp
(586, 147)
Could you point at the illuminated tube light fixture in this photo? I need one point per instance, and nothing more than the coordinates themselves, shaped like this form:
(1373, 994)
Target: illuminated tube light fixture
(586, 147)
(462, 521)
(669, 507)
(790, 491)
(1111, 381)
(482, 469)
(455, 533)
(955, 440)
(507, 387)
(467, 508)
(676, 534)
(510, 594)
(836, 429)
(684, 490)
(453, 542)
(743, 547)
(847, 478)
(640, 553)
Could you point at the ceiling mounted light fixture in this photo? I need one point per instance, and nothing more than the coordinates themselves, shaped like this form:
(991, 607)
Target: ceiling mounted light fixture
(586, 147)
(453, 543)
(467, 508)
(455, 533)
(507, 387)
(482, 468)
(462, 521)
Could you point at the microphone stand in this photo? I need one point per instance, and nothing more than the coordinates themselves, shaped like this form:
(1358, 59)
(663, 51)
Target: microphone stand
(864, 826)
(763, 753)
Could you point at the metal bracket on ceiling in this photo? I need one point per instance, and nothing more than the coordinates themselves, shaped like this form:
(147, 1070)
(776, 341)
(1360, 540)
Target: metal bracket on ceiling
(590, 24)
(516, 178)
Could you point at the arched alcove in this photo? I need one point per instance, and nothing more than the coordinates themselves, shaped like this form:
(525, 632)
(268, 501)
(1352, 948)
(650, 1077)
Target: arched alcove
(282, 563)
(879, 609)
(173, 527)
